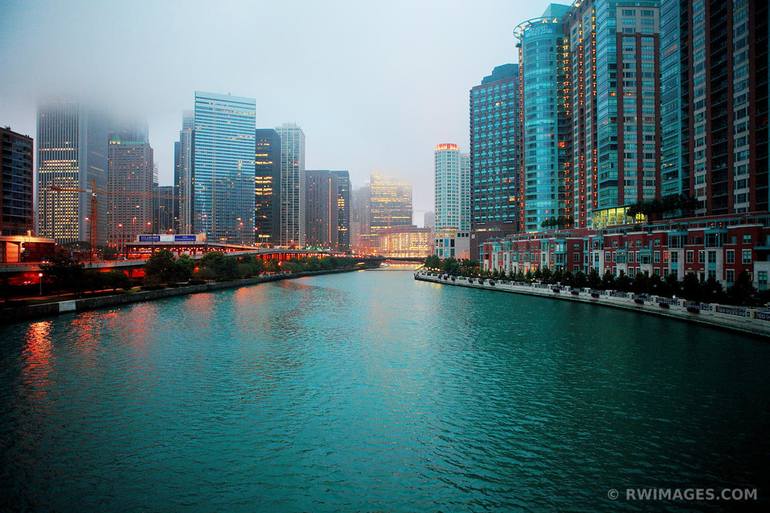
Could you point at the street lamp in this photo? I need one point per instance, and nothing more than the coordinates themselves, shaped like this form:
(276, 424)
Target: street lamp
(40, 282)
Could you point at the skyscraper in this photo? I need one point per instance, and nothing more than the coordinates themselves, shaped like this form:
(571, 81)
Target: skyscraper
(16, 183)
(544, 117)
(359, 218)
(343, 209)
(615, 93)
(72, 165)
(292, 186)
(267, 187)
(183, 175)
(715, 103)
(164, 208)
(130, 189)
(494, 155)
(321, 212)
(223, 167)
(390, 202)
(452, 184)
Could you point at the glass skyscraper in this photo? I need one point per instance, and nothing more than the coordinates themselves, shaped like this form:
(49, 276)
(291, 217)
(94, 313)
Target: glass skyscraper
(223, 167)
(267, 187)
(544, 117)
(327, 210)
(130, 187)
(16, 183)
(494, 155)
(292, 186)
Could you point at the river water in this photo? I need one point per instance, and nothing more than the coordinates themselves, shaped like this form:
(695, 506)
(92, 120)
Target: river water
(370, 391)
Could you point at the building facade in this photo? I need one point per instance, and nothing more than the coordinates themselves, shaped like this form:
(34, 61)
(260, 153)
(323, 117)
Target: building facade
(223, 167)
(343, 209)
(17, 215)
(131, 195)
(164, 208)
(71, 166)
(390, 202)
(321, 211)
(718, 247)
(183, 175)
(452, 187)
(715, 104)
(267, 187)
(544, 110)
(292, 185)
(359, 219)
(494, 155)
(615, 95)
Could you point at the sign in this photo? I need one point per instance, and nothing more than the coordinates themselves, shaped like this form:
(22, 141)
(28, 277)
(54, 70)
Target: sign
(184, 238)
(149, 238)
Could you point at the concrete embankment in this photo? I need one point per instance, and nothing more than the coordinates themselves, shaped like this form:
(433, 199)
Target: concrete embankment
(24, 312)
(754, 321)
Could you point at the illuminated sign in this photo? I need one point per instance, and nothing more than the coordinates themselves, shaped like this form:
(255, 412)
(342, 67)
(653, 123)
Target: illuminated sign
(184, 238)
(149, 238)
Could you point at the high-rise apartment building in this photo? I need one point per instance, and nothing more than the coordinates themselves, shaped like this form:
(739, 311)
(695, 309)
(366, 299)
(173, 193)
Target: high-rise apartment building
(183, 175)
(130, 192)
(390, 202)
(322, 208)
(267, 187)
(292, 185)
(494, 155)
(16, 183)
(714, 62)
(452, 188)
(223, 167)
(72, 166)
(544, 110)
(614, 77)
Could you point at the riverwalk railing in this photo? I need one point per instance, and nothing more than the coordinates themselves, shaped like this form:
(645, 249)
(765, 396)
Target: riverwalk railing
(741, 318)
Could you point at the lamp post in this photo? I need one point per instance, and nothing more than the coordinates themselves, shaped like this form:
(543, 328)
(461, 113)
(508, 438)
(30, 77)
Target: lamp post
(40, 283)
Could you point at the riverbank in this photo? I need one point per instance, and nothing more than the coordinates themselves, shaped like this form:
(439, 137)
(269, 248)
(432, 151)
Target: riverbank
(28, 312)
(753, 321)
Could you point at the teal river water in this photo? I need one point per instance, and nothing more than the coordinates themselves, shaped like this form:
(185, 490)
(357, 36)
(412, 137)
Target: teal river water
(369, 391)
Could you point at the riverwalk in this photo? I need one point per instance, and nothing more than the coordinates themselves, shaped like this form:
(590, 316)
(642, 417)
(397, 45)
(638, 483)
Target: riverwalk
(754, 321)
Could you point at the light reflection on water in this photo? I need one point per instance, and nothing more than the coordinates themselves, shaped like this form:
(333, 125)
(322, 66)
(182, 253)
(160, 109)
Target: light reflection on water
(371, 392)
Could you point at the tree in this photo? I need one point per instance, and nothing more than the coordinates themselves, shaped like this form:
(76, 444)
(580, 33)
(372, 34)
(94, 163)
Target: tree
(159, 268)
(691, 288)
(623, 282)
(215, 265)
(433, 262)
(641, 283)
(608, 281)
(743, 291)
(580, 281)
(594, 280)
(63, 271)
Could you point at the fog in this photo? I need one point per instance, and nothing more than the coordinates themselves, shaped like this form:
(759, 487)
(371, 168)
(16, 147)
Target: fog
(374, 85)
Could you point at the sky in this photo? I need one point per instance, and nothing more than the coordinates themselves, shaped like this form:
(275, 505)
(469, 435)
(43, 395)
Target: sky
(375, 85)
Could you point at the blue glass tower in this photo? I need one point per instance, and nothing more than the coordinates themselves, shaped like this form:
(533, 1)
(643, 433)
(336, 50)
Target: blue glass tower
(544, 113)
(223, 167)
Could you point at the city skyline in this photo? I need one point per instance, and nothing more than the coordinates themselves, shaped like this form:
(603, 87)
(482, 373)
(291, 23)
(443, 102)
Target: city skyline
(330, 111)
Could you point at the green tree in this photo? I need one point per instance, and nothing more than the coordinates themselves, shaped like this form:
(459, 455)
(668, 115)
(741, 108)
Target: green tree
(215, 265)
(594, 280)
(742, 292)
(691, 287)
(608, 281)
(433, 262)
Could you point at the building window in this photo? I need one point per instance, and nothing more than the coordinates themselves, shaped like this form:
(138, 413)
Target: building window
(746, 256)
(712, 257)
(689, 256)
(730, 256)
(762, 280)
(730, 276)
(701, 257)
(656, 257)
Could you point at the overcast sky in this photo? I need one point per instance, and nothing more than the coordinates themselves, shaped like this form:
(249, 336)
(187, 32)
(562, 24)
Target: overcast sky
(374, 84)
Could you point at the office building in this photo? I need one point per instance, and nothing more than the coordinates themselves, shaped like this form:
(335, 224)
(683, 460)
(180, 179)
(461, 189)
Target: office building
(292, 185)
(223, 167)
(72, 166)
(130, 192)
(183, 175)
(390, 202)
(267, 187)
(165, 198)
(327, 196)
(343, 209)
(359, 219)
(16, 183)
(494, 155)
